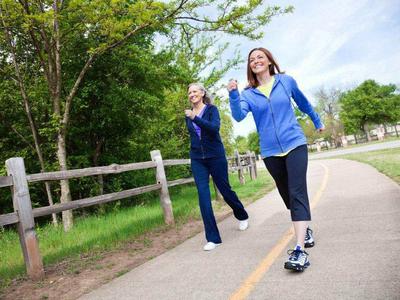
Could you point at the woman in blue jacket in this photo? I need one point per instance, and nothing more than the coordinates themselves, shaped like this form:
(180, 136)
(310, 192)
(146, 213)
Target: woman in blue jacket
(282, 142)
(207, 156)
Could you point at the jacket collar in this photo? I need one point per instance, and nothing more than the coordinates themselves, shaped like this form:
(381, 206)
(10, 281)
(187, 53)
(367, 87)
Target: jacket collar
(255, 90)
(190, 122)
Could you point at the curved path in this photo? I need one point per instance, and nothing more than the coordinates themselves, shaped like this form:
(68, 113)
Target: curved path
(356, 223)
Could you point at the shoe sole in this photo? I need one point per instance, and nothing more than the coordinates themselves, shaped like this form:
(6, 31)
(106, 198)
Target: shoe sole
(216, 245)
(309, 245)
(295, 267)
(243, 229)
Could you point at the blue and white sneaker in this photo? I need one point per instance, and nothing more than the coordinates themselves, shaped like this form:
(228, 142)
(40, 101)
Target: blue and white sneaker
(309, 240)
(298, 260)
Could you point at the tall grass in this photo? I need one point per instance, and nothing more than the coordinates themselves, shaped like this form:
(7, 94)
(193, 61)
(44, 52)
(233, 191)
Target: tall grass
(97, 233)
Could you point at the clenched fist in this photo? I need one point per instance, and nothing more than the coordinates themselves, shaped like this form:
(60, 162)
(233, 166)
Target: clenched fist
(232, 85)
(190, 114)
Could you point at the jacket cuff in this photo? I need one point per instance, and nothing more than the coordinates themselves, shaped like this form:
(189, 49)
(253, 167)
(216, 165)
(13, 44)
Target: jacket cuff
(318, 124)
(234, 95)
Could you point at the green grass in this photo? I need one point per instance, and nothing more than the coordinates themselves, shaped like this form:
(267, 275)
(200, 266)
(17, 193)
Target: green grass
(96, 233)
(386, 161)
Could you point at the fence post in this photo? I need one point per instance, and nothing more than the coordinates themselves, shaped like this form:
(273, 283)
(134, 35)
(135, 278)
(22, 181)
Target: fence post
(254, 160)
(26, 226)
(251, 165)
(164, 194)
(240, 167)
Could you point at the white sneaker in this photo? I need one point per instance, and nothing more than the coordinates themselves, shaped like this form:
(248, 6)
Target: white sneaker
(244, 224)
(210, 246)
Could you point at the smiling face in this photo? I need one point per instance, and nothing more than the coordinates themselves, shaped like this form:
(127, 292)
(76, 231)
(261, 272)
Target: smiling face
(195, 94)
(259, 62)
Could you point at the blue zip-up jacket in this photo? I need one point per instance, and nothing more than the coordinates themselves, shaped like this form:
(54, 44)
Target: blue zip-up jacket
(209, 145)
(275, 120)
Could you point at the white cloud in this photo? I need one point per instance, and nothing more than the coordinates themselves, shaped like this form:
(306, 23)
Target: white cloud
(336, 43)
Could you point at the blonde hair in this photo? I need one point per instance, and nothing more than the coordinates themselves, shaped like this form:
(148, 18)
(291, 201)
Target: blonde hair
(207, 97)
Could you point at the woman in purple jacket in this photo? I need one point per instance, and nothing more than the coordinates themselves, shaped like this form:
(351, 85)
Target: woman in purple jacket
(207, 155)
(282, 142)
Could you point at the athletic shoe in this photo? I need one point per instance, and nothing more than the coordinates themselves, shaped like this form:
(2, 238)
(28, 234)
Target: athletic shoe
(210, 246)
(298, 260)
(244, 224)
(309, 240)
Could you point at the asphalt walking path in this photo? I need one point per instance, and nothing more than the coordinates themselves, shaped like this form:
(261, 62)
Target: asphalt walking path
(356, 223)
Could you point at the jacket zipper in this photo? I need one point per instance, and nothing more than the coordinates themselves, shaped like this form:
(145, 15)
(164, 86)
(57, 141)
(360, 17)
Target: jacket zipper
(273, 120)
(201, 146)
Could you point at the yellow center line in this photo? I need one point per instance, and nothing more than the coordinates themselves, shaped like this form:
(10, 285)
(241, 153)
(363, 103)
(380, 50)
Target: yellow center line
(250, 282)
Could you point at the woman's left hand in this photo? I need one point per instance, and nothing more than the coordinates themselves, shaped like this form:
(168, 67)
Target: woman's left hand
(190, 114)
(321, 129)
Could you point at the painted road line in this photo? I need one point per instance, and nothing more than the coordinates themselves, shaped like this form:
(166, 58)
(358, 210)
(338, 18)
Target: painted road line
(250, 282)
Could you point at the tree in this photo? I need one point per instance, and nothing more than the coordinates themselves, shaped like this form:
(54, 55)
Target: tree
(226, 131)
(391, 106)
(307, 126)
(367, 104)
(241, 144)
(49, 30)
(253, 142)
(329, 108)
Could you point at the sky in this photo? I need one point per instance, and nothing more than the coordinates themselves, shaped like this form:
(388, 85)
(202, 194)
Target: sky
(330, 44)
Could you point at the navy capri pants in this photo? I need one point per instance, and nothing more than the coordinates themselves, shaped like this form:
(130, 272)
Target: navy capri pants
(290, 175)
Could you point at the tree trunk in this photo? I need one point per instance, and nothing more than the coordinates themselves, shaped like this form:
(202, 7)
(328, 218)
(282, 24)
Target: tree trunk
(62, 131)
(385, 128)
(395, 129)
(334, 133)
(65, 191)
(366, 131)
(97, 152)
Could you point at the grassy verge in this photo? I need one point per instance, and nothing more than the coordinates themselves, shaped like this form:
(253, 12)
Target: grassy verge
(386, 161)
(98, 233)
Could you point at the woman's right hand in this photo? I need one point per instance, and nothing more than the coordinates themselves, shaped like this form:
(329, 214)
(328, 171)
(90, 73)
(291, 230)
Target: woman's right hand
(232, 85)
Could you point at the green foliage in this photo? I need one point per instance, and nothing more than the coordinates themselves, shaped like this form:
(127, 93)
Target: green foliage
(369, 103)
(241, 144)
(132, 97)
(236, 18)
(307, 126)
(253, 142)
(226, 130)
(309, 130)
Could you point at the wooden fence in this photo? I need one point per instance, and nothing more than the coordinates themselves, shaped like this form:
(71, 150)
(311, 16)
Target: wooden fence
(24, 215)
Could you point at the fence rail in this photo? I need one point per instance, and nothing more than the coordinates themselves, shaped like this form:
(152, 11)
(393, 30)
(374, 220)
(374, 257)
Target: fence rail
(24, 215)
(5, 181)
(111, 169)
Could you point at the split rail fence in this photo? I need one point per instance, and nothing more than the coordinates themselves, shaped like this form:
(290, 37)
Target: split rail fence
(24, 215)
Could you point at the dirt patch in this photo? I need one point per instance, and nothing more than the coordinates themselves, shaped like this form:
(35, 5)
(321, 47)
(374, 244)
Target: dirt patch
(72, 278)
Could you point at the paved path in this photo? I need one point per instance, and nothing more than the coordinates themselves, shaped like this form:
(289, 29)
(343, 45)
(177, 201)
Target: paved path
(356, 222)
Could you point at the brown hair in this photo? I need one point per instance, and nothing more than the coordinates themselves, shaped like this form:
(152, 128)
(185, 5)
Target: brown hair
(206, 97)
(273, 67)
